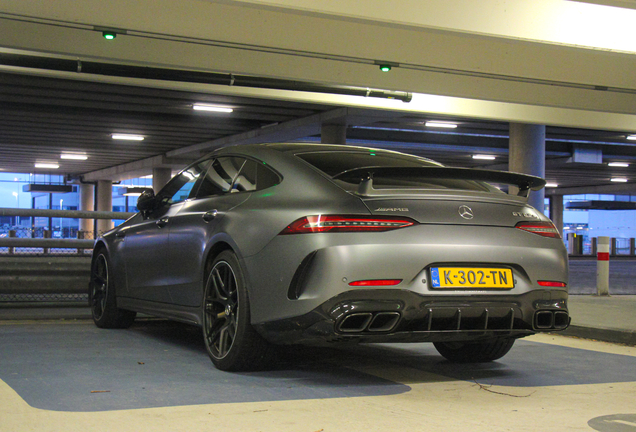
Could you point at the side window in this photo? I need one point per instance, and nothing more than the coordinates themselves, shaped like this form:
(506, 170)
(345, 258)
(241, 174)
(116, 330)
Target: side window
(220, 176)
(266, 177)
(246, 180)
(180, 187)
(254, 176)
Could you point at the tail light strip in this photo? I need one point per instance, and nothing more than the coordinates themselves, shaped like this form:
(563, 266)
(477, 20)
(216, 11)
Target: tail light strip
(545, 229)
(346, 223)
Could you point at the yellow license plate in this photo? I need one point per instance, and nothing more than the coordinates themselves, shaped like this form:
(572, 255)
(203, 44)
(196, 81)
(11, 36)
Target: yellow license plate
(471, 277)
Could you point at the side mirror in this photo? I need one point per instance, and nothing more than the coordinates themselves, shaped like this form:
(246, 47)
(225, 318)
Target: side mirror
(146, 201)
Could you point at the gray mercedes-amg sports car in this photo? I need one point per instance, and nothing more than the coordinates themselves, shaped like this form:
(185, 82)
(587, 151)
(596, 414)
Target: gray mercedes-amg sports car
(275, 244)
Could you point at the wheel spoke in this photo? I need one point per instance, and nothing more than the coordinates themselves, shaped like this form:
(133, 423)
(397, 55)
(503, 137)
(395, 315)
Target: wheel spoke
(99, 287)
(219, 284)
(220, 310)
(224, 341)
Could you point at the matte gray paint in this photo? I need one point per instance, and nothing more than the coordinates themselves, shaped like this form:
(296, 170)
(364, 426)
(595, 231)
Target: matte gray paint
(166, 268)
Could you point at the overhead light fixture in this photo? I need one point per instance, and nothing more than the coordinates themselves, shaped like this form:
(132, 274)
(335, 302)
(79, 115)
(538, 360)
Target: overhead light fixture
(484, 157)
(619, 179)
(631, 137)
(47, 165)
(618, 164)
(127, 137)
(47, 188)
(213, 108)
(385, 66)
(135, 191)
(73, 156)
(440, 124)
(551, 185)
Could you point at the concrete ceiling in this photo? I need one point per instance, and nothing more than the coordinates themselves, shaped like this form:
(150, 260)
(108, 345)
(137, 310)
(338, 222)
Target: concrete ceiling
(565, 64)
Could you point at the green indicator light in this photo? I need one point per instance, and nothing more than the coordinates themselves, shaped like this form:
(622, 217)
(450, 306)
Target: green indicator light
(109, 35)
(385, 67)
(371, 154)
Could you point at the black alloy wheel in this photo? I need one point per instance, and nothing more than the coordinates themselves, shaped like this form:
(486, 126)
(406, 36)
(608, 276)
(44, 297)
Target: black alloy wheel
(231, 341)
(99, 287)
(101, 296)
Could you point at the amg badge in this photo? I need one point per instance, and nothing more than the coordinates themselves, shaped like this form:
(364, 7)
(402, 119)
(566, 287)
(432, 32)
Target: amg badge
(392, 209)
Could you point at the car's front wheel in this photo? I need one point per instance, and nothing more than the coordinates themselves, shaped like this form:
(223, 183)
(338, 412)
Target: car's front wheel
(230, 340)
(475, 352)
(102, 296)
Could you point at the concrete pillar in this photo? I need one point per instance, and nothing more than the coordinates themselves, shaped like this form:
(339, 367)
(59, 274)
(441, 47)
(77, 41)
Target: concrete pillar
(527, 156)
(160, 176)
(87, 203)
(556, 211)
(104, 203)
(333, 133)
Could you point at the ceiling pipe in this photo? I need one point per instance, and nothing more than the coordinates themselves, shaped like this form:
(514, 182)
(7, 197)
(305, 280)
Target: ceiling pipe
(128, 71)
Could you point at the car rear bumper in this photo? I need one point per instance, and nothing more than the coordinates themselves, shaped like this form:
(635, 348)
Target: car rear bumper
(404, 316)
(295, 275)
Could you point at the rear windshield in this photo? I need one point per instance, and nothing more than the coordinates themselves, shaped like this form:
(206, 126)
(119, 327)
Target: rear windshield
(344, 167)
(337, 163)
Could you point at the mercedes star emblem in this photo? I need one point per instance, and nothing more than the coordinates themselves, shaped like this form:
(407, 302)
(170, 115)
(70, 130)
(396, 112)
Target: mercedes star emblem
(466, 212)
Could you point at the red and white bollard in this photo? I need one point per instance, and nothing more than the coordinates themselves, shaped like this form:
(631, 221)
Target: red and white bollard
(602, 266)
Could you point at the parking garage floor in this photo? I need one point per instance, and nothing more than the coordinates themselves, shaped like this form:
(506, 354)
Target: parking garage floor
(67, 375)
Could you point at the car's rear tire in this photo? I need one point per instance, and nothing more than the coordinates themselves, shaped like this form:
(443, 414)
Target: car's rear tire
(230, 340)
(475, 352)
(102, 296)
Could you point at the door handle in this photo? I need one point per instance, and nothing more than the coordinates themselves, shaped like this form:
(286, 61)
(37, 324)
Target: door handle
(209, 216)
(162, 222)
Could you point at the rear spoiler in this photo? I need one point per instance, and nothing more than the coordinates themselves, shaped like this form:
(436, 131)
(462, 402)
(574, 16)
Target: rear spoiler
(524, 182)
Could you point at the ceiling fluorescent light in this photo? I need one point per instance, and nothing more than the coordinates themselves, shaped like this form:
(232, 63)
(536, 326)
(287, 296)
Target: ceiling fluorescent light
(631, 137)
(128, 137)
(484, 157)
(135, 190)
(618, 164)
(47, 165)
(73, 156)
(214, 108)
(440, 124)
(619, 179)
(551, 185)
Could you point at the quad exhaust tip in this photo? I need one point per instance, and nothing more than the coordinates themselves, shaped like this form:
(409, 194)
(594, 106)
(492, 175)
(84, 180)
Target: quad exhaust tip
(551, 320)
(368, 321)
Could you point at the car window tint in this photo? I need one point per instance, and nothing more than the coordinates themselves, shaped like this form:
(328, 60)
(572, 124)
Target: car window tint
(246, 180)
(343, 165)
(219, 177)
(334, 163)
(181, 187)
(266, 177)
(254, 176)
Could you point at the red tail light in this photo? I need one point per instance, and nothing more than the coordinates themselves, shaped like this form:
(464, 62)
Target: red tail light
(340, 223)
(545, 229)
(376, 282)
(552, 284)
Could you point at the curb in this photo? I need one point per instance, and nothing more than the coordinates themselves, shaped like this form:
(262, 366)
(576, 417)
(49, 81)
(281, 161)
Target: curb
(627, 337)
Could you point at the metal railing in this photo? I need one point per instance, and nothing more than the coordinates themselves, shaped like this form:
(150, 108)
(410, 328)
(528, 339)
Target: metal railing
(20, 240)
(580, 245)
(37, 269)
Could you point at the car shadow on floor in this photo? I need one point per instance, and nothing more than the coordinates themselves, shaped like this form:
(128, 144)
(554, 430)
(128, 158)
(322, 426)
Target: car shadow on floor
(158, 363)
(528, 364)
